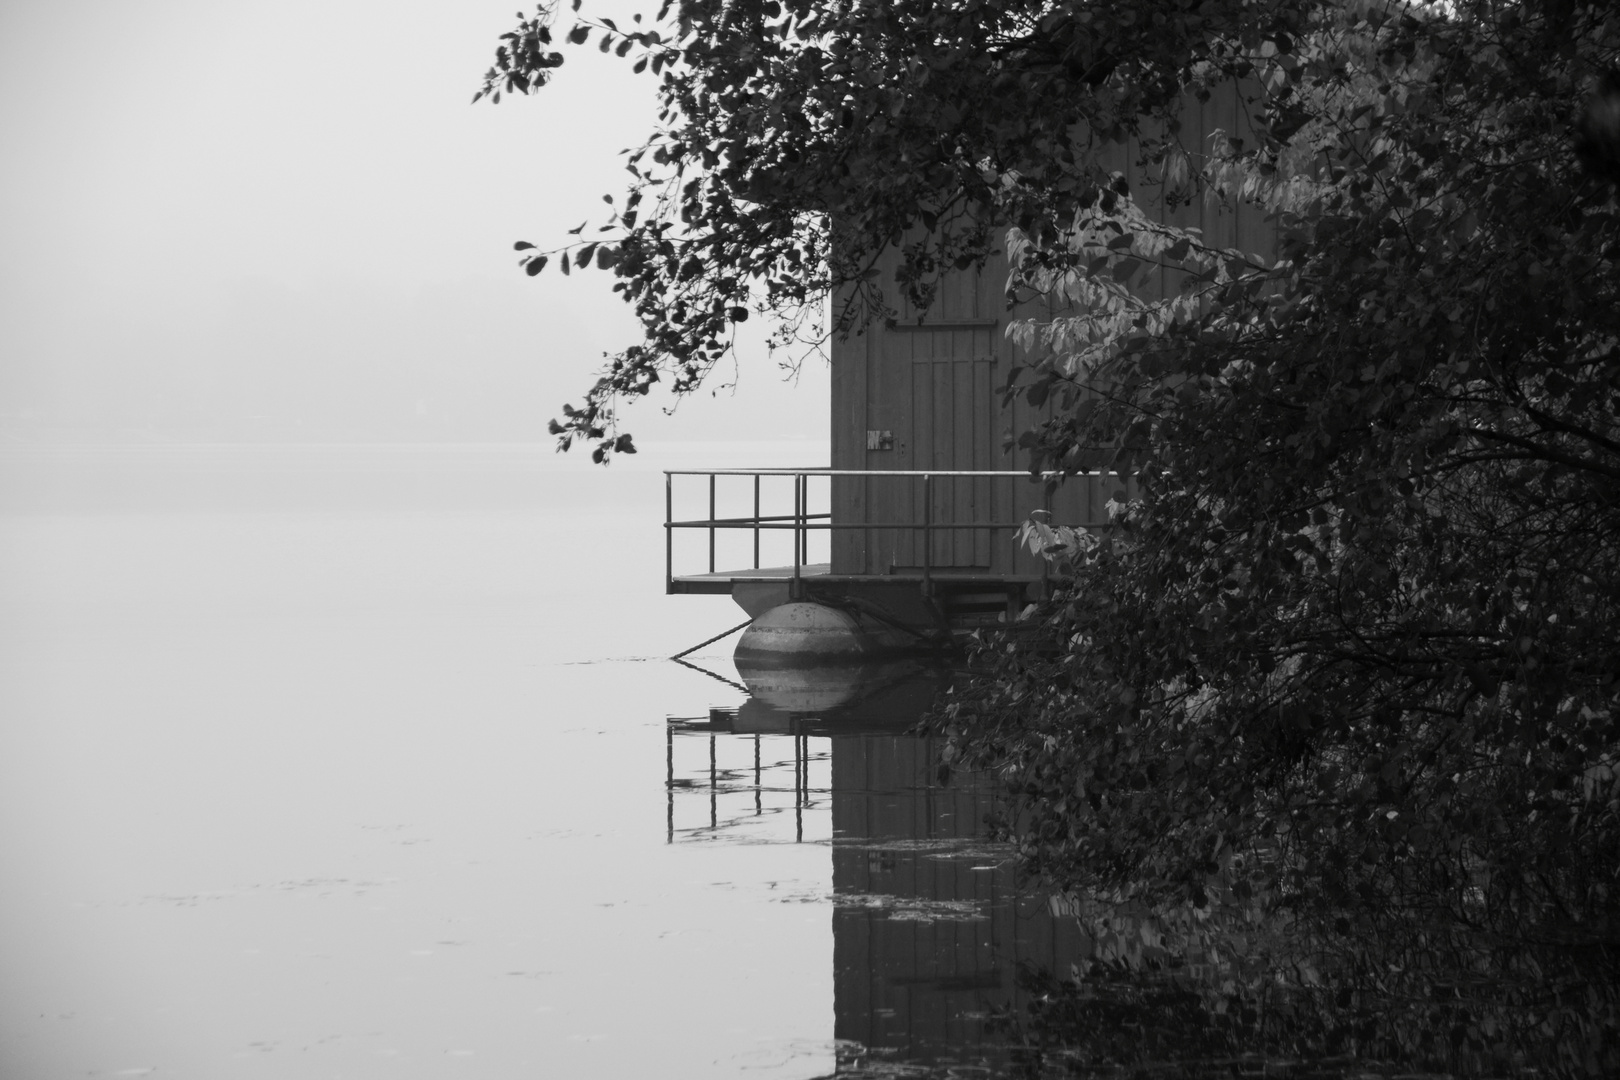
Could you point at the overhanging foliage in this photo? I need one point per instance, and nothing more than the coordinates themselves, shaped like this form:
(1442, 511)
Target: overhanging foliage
(798, 140)
(1356, 644)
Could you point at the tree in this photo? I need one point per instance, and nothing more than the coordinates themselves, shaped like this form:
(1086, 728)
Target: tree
(798, 140)
(1353, 651)
(1355, 645)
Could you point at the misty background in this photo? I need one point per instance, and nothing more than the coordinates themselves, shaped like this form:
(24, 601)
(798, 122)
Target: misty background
(332, 701)
(274, 223)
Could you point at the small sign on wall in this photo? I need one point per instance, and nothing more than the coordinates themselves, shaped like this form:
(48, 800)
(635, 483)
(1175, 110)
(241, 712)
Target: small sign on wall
(879, 440)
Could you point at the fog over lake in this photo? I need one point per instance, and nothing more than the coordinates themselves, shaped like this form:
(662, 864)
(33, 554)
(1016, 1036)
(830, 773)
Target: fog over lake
(352, 762)
(368, 761)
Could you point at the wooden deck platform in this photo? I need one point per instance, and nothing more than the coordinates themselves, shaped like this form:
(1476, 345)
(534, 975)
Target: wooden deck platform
(953, 598)
(721, 583)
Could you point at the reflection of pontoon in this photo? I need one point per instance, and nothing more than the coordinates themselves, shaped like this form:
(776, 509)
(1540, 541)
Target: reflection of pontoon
(866, 696)
(928, 928)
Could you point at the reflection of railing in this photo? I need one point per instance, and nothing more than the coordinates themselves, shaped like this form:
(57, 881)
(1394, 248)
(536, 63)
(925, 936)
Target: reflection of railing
(802, 522)
(736, 789)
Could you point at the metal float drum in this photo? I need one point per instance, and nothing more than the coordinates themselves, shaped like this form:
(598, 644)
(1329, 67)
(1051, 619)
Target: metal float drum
(801, 635)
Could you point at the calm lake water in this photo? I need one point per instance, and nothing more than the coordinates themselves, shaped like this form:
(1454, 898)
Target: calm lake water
(366, 762)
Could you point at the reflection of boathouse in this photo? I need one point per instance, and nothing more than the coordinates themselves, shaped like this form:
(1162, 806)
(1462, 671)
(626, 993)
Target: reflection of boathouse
(917, 972)
(928, 930)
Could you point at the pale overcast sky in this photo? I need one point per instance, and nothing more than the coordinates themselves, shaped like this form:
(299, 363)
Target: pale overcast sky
(223, 219)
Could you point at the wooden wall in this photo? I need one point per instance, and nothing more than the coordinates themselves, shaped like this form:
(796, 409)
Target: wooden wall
(933, 381)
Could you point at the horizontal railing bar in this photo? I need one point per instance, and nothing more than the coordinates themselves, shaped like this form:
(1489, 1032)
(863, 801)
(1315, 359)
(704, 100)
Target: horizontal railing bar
(727, 524)
(749, 521)
(878, 472)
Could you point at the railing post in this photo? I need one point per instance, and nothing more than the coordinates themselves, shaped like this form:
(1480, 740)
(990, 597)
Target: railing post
(669, 533)
(829, 530)
(756, 521)
(796, 591)
(711, 522)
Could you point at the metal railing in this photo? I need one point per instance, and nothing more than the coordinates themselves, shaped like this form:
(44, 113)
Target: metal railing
(802, 522)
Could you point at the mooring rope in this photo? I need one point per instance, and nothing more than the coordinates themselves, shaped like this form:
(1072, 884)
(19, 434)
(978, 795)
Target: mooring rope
(711, 641)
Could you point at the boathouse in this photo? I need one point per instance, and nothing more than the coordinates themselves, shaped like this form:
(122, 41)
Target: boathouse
(910, 528)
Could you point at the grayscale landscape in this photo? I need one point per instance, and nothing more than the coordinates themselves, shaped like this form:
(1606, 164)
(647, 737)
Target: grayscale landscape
(887, 539)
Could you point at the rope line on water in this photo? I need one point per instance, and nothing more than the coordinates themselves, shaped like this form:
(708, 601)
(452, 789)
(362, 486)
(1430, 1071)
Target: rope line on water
(710, 674)
(711, 641)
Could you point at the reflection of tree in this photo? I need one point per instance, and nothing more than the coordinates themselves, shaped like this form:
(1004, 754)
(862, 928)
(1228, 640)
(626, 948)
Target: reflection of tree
(1393, 997)
(941, 964)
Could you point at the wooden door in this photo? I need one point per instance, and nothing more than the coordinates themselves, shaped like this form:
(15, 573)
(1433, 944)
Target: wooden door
(920, 394)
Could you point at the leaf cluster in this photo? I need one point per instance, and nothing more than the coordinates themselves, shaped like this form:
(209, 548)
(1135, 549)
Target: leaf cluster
(799, 139)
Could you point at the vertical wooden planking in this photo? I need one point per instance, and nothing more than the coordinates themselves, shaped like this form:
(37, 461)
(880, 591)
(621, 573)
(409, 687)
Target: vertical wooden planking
(849, 392)
(1065, 502)
(1220, 114)
(910, 449)
(946, 437)
(964, 300)
(956, 296)
(888, 401)
(983, 432)
(877, 497)
(990, 346)
(941, 412)
(1195, 141)
(919, 430)
(1144, 187)
(1013, 502)
(904, 312)
(962, 430)
(1247, 218)
(935, 385)
(1184, 215)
